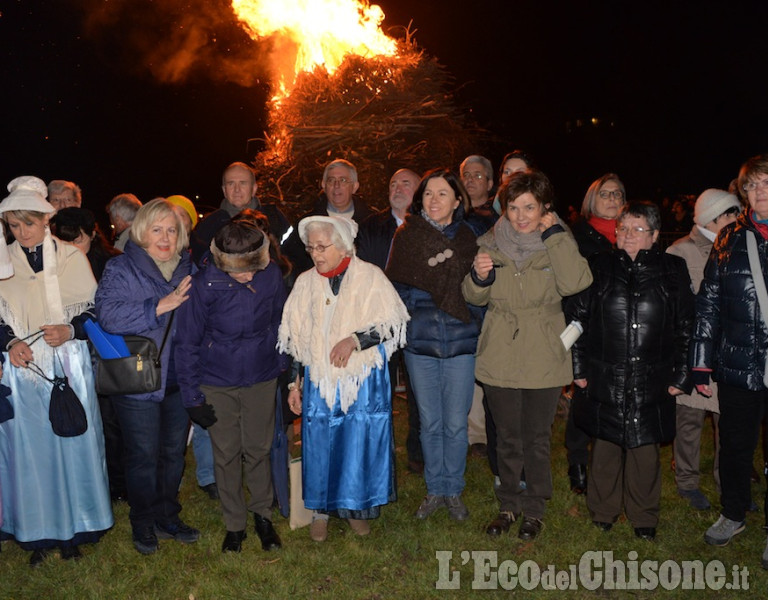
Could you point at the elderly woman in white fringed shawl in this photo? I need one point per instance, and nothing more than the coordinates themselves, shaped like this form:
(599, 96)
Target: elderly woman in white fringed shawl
(55, 491)
(341, 323)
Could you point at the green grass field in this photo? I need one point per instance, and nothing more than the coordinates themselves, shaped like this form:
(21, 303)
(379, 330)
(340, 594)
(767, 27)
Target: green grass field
(400, 558)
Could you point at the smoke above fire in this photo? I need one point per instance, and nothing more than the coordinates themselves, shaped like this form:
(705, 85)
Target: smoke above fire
(238, 41)
(177, 41)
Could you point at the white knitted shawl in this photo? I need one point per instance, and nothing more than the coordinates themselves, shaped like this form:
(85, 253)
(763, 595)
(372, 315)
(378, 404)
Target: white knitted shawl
(314, 320)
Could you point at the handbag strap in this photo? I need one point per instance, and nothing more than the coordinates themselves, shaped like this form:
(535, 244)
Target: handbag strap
(165, 338)
(35, 368)
(762, 294)
(757, 275)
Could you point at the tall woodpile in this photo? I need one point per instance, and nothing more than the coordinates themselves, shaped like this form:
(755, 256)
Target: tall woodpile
(382, 114)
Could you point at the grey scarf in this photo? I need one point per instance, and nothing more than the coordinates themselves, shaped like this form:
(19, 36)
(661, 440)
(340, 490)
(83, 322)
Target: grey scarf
(515, 245)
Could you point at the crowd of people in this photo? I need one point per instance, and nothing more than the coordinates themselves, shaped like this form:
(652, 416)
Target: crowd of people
(485, 302)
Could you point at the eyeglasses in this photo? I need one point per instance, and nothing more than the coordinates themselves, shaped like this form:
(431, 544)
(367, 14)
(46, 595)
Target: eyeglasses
(617, 194)
(319, 248)
(623, 230)
(466, 176)
(332, 181)
(751, 186)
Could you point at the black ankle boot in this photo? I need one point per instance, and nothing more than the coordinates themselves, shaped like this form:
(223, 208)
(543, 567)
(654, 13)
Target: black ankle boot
(578, 477)
(267, 534)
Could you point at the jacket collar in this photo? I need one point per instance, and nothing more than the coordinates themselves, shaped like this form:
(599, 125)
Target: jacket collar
(144, 262)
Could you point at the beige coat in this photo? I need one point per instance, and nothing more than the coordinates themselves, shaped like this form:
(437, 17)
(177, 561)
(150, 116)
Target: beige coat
(695, 248)
(519, 345)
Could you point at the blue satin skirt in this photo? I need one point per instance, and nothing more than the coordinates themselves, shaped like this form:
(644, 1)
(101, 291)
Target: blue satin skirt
(54, 489)
(348, 459)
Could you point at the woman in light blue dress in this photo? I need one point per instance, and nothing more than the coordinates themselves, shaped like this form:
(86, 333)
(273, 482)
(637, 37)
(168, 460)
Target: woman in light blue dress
(55, 490)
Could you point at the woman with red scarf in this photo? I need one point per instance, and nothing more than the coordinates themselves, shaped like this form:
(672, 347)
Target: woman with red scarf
(594, 232)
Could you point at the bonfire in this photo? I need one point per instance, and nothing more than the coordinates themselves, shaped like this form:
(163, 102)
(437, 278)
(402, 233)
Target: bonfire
(382, 113)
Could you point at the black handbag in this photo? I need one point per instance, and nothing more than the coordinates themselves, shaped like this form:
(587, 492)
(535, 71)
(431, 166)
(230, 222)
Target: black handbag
(65, 411)
(139, 373)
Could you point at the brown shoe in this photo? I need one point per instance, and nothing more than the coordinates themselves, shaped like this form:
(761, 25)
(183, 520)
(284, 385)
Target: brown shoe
(360, 526)
(318, 530)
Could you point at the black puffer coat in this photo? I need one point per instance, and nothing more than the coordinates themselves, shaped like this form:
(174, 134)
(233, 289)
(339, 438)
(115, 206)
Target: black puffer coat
(637, 318)
(729, 336)
(590, 240)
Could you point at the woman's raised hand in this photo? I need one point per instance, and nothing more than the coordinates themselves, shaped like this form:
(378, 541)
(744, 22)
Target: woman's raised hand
(483, 263)
(547, 220)
(176, 298)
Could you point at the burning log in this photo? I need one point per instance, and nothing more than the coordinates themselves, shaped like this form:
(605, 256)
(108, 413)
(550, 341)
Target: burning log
(381, 113)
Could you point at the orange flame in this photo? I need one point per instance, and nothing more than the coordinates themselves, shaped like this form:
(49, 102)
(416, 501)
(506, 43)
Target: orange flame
(314, 33)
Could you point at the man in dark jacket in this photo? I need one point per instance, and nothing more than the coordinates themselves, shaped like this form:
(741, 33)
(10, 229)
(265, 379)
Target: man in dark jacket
(337, 198)
(730, 342)
(239, 186)
(376, 232)
(374, 240)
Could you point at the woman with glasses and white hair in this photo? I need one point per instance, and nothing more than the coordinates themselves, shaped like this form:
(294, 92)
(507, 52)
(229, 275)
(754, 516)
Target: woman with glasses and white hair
(341, 324)
(594, 232)
(630, 362)
(730, 343)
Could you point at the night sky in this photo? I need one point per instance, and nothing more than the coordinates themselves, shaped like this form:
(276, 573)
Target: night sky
(157, 97)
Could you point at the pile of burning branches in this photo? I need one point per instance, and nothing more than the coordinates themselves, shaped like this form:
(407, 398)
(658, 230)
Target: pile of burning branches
(382, 114)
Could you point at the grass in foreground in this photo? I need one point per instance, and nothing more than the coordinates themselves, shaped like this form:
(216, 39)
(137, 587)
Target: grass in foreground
(398, 560)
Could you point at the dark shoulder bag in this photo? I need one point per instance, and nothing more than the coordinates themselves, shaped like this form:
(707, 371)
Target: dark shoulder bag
(138, 373)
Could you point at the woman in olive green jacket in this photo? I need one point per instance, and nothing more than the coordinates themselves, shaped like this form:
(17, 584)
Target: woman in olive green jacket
(526, 264)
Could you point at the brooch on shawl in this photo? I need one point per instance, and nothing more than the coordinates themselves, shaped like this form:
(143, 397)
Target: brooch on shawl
(440, 257)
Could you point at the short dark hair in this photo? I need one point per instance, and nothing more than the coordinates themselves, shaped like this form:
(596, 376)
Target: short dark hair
(69, 222)
(456, 185)
(642, 209)
(532, 182)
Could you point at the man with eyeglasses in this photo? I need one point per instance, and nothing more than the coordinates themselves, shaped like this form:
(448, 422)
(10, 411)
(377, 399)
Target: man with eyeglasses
(714, 210)
(730, 343)
(477, 175)
(64, 194)
(338, 199)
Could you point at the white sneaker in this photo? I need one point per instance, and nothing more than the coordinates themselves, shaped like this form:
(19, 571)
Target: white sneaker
(723, 531)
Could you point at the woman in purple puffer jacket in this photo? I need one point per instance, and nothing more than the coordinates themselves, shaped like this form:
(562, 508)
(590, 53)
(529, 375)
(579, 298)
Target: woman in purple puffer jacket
(227, 365)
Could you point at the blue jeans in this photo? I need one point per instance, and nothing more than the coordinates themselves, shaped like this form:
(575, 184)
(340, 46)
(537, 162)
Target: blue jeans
(443, 388)
(201, 446)
(154, 438)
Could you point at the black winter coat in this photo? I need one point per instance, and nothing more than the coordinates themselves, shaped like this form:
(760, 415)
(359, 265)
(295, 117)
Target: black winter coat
(637, 318)
(730, 336)
(589, 240)
(374, 238)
